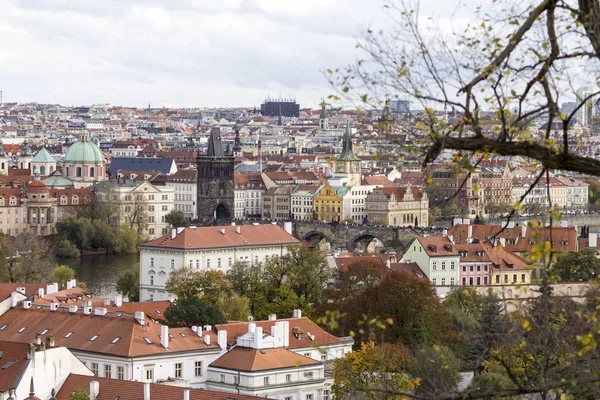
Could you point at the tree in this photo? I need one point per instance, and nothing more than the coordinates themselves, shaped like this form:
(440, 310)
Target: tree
(576, 267)
(234, 308)
(135, 211)
(64, 248)
(434, 214)
(80, 394)
(517, 63)
(128, 283)
(209, 284)
(176, 219)
(438, 370)
(26, 258)
(63, 274)
(381, 367)
(190, 310)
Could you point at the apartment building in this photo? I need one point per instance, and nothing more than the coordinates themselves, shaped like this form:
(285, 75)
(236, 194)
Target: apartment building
(185, 191)
(248, 191)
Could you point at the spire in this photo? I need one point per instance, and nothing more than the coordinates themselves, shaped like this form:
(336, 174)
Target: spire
(347, 151)
(26, 152)
(237, 144)
(215, 147)
(323, 114)
(31, 389)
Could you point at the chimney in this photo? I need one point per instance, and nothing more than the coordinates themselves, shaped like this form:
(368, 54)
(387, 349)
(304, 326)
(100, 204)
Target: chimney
(53, 306)
(70, 284)
(146, 391)
(222, 339)
(238, 230)
(258, 334)
(13, 299)
(30, 351)
(207, 339)
(87, 310)
(451, 238)
(186, 394)
(503, 242)
(38, 339)
(523, 230)
(164, 336)
(207, 327)
(180, 229)
(107, 301)
(94, 389)
(233, 223)
(100, 311)
(272, 317)
(393, 257)
(444, 232)
(286, 333)
(510, 225)
(466, 221)
(297, 313)
(27, 304)
(140, 317)
(287, 226)
(52, 288)
(388, 263)
(173, 233)
(21, 290)
(251, 327)
(223, 231)
(41, 293)
(470, 232)
(199, 331)
(119, 300)
(72, 309)
(593, 240)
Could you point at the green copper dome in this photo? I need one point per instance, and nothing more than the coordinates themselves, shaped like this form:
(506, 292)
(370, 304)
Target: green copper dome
(58, 181)
(84, 151)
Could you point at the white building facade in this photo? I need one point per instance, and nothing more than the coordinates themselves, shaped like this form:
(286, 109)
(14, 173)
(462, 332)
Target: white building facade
(215, 247)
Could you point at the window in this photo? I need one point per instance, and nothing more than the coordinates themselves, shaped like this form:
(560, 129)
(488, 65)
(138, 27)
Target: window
(68, 335)
(150, 374)
(479, 268)
(522, 278)
(326, 394)
(120, 372)
(266, 380)
(151, 208)
(198, 368)
(172, 263)
(505, 278)
(324, 356)
(236, 380)
(151, 231)
(452, 265)
(485, 268)
(485, 280)
(471, 281)
(443, 281)
(309, 397)
(471, 268)
(197, 263)
(165, 208)
(151, 279)
(478, 280)
(219, 262)
(178, 370)
(434, 266)
(514, 278)
(443, 265)
(152, 261)
(222, 376)
(107, 371)
(165, 197)
(95, 369)
(464, 281)
(208, 263)
(151, 197)
(497, 278)
(434, 281)
(451, 281)
(191, 263)
(288, 377)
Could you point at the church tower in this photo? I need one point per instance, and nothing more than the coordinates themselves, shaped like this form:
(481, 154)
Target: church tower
(323, 116)
(215, 182)
(237, 145)
(347, 163)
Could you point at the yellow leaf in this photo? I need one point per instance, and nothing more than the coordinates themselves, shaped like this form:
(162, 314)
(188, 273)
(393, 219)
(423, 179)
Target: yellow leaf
(525, 324)
(420, 125)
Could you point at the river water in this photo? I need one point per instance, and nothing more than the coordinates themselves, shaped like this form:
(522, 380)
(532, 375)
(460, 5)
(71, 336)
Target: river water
(100, 272)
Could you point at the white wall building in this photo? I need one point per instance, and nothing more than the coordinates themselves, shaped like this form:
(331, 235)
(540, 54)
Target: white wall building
(131, 197)
(302, 203)
(248, 191)
(216, 247)
(353, 203)
(185, 185)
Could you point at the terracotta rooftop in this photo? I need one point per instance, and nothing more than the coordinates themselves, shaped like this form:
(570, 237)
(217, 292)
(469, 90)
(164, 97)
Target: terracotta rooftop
(12, 363)
(410, 267)
(250, 360)
(97, 334)
(111, 389)
(225, 236)
(438, 246)
(321, 337)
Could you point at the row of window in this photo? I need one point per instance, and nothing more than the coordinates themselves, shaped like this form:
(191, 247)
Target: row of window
(452, 265)
(266, 380)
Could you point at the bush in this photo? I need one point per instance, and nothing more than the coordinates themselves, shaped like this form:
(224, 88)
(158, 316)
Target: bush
(64, 248)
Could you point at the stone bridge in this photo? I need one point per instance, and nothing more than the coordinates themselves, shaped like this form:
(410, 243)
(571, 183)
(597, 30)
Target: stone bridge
(342, 236)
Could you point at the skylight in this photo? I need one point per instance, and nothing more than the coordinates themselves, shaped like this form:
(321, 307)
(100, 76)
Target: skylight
(182, 334)
(148, 340)
(44, 332)
(94, 338)
(22, 329)
(115, 340)
(158, 312)
(3, 327)
(119, 315)
(68, 334)
(171, 336)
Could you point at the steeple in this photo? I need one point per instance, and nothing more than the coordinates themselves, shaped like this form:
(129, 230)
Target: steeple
(215, 147)
(347, 151)
(31, 389)
(26, 152)
(323, 114)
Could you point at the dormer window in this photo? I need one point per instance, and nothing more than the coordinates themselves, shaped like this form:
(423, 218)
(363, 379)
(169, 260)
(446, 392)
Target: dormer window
(565, 242)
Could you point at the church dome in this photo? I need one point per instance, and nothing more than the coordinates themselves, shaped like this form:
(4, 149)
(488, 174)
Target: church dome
(37, 187)
(84, 151)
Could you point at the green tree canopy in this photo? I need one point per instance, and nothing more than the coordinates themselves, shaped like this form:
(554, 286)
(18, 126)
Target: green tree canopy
(576, 267)
(176, 219)
(128, 283)
(63, 274)
(190, 310)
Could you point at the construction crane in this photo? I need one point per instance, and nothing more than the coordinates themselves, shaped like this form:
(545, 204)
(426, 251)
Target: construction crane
(164, 132)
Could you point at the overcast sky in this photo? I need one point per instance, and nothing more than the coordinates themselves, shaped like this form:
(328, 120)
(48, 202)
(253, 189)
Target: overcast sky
(181, 52)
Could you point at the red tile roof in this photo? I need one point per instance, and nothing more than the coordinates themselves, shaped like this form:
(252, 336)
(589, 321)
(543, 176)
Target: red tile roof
(437, 246)
(9, 373)
(111, 389)
(213, 237)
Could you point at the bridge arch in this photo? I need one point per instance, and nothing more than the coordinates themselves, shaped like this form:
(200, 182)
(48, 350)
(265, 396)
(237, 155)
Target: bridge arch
(363, 239)
(317, 240)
